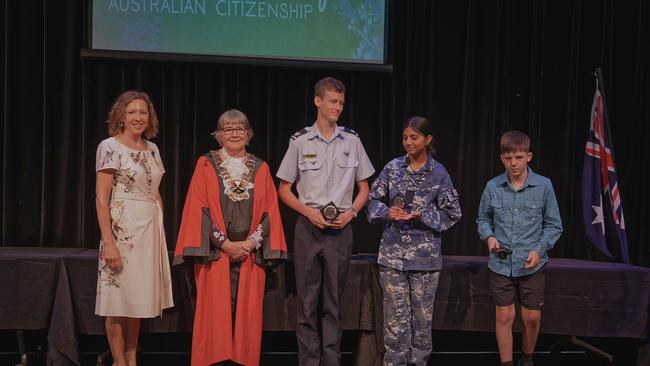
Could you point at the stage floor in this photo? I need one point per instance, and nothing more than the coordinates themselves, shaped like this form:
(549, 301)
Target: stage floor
(455, 348)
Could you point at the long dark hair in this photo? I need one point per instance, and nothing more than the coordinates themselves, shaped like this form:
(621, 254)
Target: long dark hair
(422, 126)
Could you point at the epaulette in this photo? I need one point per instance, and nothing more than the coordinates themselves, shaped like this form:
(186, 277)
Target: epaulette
(299, 133)
(351, 131)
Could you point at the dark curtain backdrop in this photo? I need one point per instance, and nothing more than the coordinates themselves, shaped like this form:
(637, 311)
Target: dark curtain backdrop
(476, 68)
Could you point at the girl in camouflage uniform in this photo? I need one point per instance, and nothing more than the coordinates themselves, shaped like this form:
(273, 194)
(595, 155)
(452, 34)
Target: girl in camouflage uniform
(415, 200)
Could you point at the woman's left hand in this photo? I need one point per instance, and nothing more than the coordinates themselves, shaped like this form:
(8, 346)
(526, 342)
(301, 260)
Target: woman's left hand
(413, 215)
(409, 216)
(235, 250)
(249, 244)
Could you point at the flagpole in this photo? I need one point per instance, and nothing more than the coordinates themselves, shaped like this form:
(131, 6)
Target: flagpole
(573, 339)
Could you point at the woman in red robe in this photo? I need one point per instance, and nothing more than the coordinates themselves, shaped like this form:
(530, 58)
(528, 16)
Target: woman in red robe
(231, 229)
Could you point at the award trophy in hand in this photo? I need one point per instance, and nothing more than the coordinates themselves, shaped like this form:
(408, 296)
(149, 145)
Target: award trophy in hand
(405, 205)
(330, 211)
(404, 202)
(398, 201)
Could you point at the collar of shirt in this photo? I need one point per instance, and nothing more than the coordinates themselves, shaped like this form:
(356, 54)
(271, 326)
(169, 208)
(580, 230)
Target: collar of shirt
(314, 132)
(532, 179)
(406, 164)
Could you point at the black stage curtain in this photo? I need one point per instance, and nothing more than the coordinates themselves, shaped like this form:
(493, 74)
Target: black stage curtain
(476, 68)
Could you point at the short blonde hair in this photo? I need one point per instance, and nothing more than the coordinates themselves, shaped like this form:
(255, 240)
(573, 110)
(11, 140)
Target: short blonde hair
(232, 116)
(118, 113)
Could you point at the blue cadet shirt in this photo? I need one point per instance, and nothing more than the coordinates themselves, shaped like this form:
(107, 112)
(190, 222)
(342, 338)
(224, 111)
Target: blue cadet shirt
(413, 245)
(522, 221)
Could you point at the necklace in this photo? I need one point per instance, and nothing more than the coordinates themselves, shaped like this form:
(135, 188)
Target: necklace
(417, 182)
(237, 188)
(421, 175)
(420, 163)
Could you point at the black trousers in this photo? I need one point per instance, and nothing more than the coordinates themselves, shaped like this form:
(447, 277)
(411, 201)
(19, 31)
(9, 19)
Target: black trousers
(321, 260)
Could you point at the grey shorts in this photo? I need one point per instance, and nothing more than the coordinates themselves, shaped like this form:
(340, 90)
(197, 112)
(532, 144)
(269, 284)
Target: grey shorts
(526, 290)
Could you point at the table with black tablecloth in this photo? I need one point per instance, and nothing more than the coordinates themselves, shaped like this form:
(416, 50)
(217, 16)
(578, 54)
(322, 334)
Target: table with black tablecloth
(54, 289)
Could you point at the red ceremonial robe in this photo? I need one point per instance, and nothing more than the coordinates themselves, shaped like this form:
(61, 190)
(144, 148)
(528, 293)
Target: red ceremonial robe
(213, 338)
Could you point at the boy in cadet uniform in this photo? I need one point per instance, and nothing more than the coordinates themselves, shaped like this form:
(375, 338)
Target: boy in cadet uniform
(325, 161)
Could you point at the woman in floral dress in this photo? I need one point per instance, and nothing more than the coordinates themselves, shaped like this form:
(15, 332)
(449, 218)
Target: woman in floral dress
(134, 280)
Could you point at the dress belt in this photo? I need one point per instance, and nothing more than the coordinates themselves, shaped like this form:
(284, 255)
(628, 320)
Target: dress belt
(133, 196)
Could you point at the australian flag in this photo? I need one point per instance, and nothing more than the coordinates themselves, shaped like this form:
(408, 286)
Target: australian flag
(601, 200)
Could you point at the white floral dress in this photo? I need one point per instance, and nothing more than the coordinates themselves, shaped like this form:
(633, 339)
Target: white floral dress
(142, 289)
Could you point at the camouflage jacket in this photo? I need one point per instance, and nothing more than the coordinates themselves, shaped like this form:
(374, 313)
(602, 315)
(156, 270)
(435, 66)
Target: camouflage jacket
(415, 244)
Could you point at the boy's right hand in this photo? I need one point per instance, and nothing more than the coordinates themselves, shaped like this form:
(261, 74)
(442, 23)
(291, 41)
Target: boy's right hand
(493, 244)
(316, 218)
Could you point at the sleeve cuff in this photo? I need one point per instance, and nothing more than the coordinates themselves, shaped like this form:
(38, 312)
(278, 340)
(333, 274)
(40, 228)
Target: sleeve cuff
(485, 235)
(540, 249)
(257, 237)
(217, 238)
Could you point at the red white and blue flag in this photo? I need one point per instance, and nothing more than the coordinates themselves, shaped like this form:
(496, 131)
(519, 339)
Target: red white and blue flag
(601, 197)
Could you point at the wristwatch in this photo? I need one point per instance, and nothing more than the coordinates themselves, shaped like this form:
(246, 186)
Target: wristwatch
(354, 212)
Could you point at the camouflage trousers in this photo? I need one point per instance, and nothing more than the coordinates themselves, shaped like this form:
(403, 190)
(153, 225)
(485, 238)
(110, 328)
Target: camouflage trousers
(408, 315)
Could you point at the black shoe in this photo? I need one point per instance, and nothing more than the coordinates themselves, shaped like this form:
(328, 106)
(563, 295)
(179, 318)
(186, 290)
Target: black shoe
(525, 363)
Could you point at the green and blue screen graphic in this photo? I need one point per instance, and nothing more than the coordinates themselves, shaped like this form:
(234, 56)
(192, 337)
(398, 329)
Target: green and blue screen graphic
(323, 30)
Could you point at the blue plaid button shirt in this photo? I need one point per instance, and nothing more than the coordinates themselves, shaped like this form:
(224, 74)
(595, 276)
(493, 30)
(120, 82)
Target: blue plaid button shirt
(523, 220)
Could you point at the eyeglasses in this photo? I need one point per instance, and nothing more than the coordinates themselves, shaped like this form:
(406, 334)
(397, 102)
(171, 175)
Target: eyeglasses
(230, 131)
